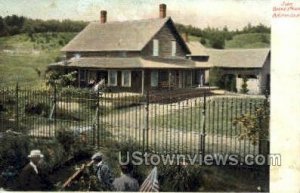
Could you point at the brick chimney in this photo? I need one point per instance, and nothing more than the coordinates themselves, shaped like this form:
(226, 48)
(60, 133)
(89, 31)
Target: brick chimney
(162, 10)
(103, 14)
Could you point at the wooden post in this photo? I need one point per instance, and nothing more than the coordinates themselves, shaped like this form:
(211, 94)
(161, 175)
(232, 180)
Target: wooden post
(17, 105)
(79, 77)
(143, 82)
(169, 79)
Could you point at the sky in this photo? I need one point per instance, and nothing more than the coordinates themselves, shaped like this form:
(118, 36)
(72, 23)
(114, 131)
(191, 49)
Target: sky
(235, 14)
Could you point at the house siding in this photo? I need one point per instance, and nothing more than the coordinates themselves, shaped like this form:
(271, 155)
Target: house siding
(165, 37)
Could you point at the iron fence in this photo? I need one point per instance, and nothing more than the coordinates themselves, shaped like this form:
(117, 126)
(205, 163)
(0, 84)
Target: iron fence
(157, 122)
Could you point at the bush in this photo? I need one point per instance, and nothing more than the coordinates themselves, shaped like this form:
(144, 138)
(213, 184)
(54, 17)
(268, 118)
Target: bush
(13, 150)
(244, 88)
(58, 79)
(229, 82)
(74, 144)
(179, 178)
(37, 108)
(215, 77)
(255, 126)
(217, 41)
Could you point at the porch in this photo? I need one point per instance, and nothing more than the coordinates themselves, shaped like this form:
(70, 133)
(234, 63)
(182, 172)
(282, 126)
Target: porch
(141, 80)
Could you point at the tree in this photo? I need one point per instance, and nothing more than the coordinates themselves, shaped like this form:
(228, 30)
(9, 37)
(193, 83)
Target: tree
(217, 41)
(55, 78)
(2, 27)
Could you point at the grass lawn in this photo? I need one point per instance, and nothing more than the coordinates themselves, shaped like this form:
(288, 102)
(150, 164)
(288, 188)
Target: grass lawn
(220, 113)
(21, 56)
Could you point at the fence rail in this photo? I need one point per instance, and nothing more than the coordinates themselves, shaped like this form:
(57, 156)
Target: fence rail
(156, 122)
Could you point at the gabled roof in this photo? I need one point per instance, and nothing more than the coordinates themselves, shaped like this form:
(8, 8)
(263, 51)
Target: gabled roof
(238, 58)
(116, 36)
(196, 48)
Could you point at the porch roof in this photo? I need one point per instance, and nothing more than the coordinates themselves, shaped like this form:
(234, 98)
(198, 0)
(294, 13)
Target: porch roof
(125, 63)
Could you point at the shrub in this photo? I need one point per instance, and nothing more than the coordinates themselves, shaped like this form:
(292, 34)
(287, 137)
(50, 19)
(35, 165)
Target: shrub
(74, 144)
(229, 82)
(179, 178)
(217, 41)
(215, 77)
(37, 108)
(255, 126)
(203, 41)
(56, 78)
(13, 150)
(244, 88)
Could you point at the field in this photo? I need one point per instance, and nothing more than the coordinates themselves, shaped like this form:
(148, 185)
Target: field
(24, 58)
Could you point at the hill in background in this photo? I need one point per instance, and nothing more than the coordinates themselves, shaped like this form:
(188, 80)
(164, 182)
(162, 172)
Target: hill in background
(24, 58)
(27, 46)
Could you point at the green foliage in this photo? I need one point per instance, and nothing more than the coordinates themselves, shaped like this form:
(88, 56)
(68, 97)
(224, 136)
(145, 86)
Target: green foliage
(13, 150)
(255, 126)
(260, 28)
(37, 108)
(244, 88)
(203, 41)
(25, 55)
(220, 38)
(215, 77)
(12, 25)
(179, 178)
(249, 40)
(58, 79)
(139, 171)
(229, 82)
(217, 41)
(73, 143)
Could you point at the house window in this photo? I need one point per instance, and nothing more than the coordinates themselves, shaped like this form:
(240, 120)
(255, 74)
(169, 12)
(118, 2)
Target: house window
(112, 78)
(154, 78)
(82, 75)
(123, 54)
(248, 76)
(126, 78)
(77, 55)
(155, 47)
(173, 48)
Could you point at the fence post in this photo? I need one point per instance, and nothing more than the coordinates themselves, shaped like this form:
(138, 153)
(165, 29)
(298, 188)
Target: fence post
(146, 124)
(202, 135)
(17, 105)
(98, 116)
(147, 119)
(54, 102)
(263, 142)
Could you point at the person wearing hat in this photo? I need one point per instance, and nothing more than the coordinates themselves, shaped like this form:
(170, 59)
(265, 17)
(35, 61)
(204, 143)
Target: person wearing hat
(102, 171)
(126, 182)
(31, 177)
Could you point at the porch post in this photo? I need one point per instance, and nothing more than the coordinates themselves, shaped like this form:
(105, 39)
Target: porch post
(169, 79)
(143, 82)
(79, 77)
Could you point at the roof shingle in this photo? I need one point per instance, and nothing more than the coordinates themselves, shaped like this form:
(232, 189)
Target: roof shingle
(116, 36)
(238, 58)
